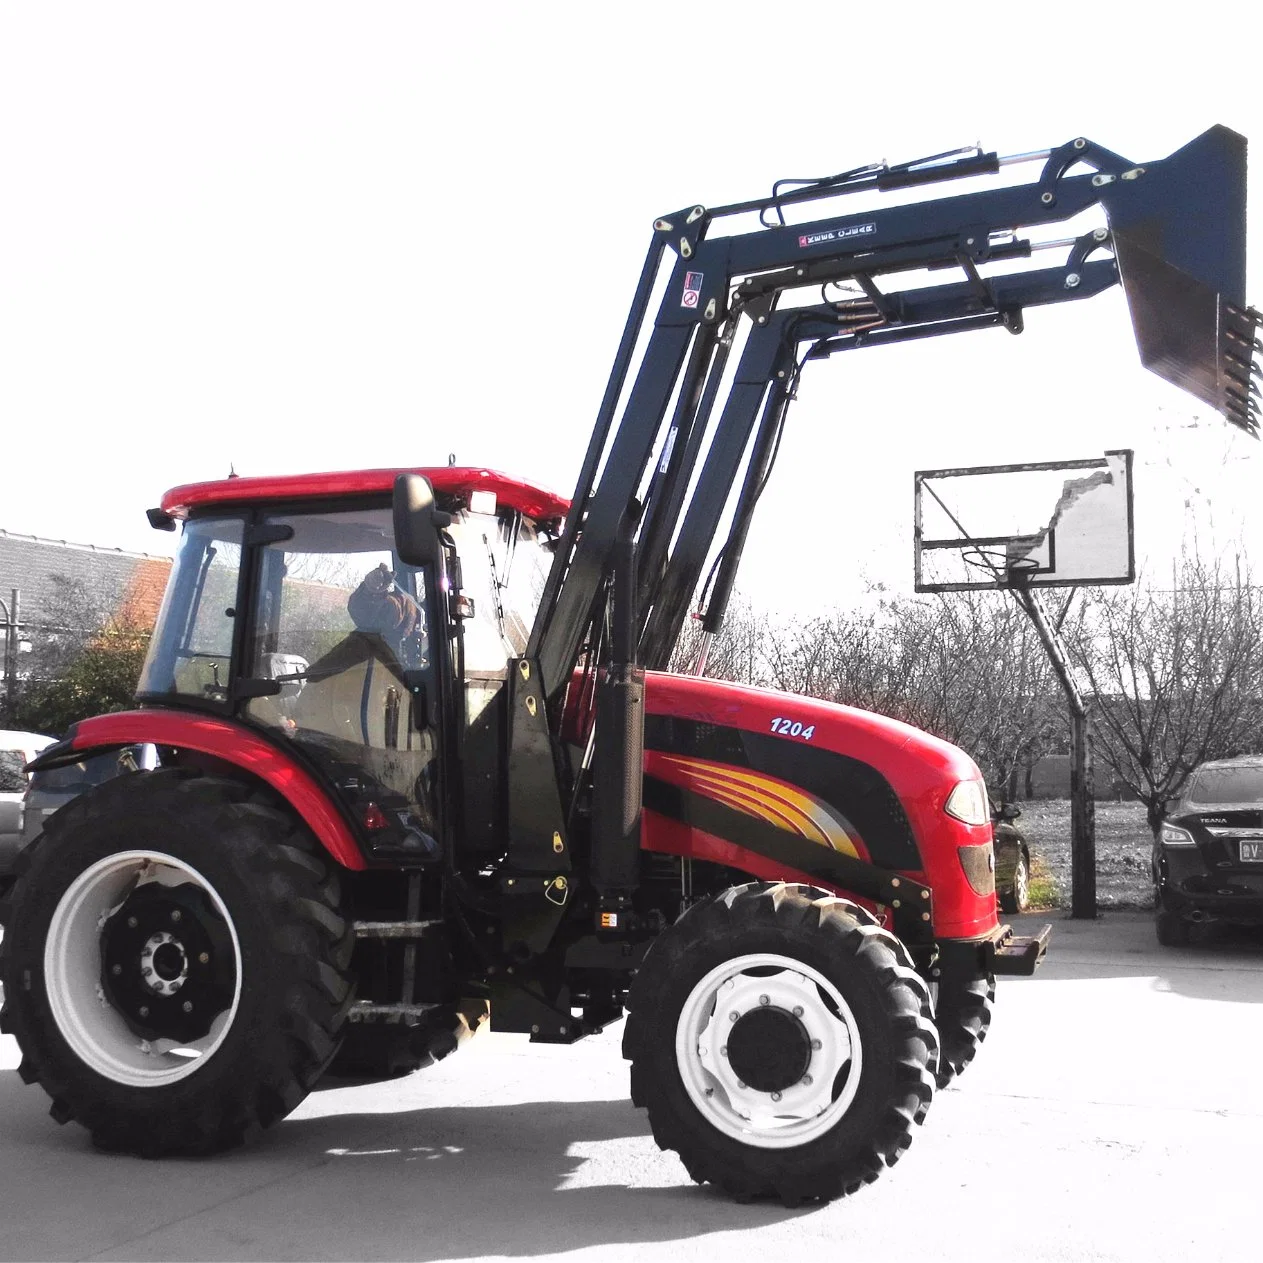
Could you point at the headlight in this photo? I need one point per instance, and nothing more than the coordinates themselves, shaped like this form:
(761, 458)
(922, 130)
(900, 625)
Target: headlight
(1172, 835)
(968, 802)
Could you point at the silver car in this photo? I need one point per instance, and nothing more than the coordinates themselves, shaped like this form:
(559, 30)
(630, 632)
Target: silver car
(16, 750)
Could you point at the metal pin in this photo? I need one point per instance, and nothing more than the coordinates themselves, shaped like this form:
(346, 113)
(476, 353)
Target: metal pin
(1072, 281)
(1046, 198)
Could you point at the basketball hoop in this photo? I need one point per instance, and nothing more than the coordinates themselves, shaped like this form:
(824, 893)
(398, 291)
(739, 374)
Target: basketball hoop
(1013, 571)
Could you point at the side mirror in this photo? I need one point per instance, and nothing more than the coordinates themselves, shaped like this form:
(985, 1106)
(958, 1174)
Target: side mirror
(417, 521)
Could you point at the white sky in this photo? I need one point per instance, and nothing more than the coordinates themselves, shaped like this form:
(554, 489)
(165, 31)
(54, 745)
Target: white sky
(310, 236)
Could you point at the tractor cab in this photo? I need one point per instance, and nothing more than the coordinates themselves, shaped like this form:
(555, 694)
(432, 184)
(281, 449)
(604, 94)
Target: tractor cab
(291, 609)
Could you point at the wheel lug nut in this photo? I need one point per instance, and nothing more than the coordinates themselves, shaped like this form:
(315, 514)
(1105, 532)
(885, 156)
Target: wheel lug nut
(798, 1010)
(175, 915)
(132, 923)
(740, 1086)
(776, 1096)
(144, 1010)
(723, 1052)
(816, 1045)
(807, 1080)
(188, 1006)
(116, 970)
(732, 1017)
(204, 958)
(764, 1000)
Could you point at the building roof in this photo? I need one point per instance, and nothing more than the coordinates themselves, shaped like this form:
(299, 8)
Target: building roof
(40, 569)
(534, 501)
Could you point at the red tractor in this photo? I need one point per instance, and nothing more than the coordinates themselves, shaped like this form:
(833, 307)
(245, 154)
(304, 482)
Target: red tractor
(418, 758)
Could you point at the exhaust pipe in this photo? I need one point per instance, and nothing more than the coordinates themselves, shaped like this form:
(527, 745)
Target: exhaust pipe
(1179, 237)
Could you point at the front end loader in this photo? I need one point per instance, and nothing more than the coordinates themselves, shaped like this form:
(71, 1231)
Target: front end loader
(420, 758)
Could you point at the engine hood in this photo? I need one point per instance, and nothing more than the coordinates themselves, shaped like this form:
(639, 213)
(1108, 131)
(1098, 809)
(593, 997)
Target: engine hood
(913, 761)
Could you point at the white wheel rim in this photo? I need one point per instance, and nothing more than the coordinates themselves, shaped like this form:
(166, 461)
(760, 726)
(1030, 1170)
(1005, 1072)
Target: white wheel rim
(73, 962)
(799, 1113)
(1021, 886)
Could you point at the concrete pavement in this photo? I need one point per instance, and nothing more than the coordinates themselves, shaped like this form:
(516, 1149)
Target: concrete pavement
(1116, 1112)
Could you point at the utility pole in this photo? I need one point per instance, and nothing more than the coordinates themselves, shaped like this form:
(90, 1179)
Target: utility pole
(11, 612)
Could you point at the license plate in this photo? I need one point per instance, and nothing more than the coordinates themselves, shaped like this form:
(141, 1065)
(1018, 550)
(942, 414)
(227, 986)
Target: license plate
(1252, 852)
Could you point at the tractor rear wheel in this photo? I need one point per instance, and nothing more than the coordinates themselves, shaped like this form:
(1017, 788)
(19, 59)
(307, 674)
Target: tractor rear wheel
(175, 963)
(780, 1045)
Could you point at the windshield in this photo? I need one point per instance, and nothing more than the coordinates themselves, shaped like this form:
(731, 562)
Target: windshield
(191, 648)
(1227, 785)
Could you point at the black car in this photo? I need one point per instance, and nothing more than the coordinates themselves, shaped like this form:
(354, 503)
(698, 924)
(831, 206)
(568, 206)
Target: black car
(1012, 858)
(1208, 852)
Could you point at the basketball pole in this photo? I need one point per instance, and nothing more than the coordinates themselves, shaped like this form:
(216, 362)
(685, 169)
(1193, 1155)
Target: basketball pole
(1082, 797)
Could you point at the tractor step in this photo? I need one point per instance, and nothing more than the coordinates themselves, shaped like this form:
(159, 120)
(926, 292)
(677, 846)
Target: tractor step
(393, 929)
(368, 1011)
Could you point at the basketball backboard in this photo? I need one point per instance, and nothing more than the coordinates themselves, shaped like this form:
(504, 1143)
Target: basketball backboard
(1051, 524)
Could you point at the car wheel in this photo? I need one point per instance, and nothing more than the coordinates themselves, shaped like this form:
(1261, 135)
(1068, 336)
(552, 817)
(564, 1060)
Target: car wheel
(1173, 930)
(1017, 897)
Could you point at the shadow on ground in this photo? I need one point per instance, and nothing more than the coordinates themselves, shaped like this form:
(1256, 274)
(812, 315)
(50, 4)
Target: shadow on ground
(447, 1182)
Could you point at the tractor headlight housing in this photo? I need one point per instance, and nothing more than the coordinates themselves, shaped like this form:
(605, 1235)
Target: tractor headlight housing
(968, 803)
(1173, 835)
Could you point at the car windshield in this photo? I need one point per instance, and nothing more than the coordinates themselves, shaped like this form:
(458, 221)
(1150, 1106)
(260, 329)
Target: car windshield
(1228, 785)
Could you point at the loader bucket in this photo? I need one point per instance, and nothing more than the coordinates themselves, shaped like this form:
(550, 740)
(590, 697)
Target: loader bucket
(1179, 237)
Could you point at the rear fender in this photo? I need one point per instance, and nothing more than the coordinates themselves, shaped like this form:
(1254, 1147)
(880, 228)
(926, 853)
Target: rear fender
(229, 744)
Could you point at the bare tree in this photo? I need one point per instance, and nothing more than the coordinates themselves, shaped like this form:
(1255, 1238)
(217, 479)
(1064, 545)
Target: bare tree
(965, 666)
(1177, 674)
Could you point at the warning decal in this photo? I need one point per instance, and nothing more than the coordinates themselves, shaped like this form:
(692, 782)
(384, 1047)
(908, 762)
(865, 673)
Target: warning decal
(692, 289)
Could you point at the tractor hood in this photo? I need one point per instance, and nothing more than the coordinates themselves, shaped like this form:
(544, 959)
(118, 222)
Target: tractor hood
(922, 769)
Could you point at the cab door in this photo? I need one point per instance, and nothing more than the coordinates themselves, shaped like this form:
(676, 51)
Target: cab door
(343, 629)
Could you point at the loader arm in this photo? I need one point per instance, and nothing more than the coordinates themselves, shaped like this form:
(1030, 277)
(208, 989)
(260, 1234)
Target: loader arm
(1175, 238)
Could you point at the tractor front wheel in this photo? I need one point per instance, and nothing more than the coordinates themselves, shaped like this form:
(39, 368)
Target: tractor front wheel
(780, 1045)
(175, 963)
